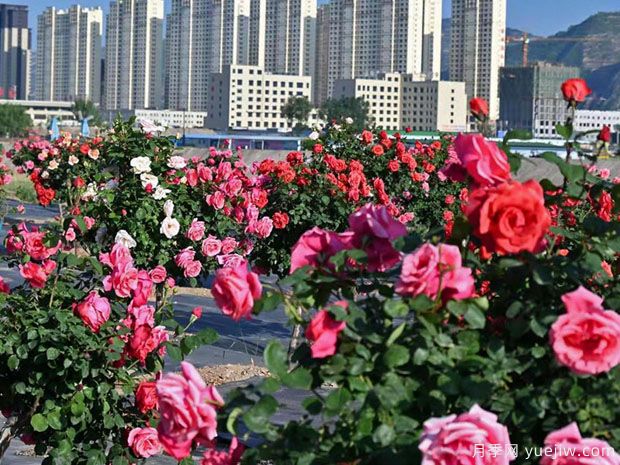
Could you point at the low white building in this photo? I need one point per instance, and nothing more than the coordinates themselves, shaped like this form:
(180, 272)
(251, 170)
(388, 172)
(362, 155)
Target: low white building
(166, 118)
(397, 101)
(41, 112)
(246, 97)
(592, 120)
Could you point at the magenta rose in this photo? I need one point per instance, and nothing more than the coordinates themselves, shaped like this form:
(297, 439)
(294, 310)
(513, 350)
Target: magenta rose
(455, 439)
(188, 410)
(142, 291)
(93, 310)
(196, 230)
(212, 246)
(315, 247)
(431, 270)
(235, 290)
(567, 447)
(587, 338)
(323, 332)
(141, 315)
(483, 160)
(144, 442)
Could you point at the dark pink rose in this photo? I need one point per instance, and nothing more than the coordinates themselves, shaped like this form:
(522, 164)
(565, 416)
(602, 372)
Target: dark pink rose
(314, 248)
(569, 448)
(323, 332)
(373, 221)
(94, 311)
(455, 439)
(158, 274)
(142, 290)
(235, 290)
(144, 442)
(587, 337)
(483, 160)
(230, 457)
(188, 409)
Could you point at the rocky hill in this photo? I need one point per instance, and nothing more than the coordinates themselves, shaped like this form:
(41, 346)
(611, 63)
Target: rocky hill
(593, 46)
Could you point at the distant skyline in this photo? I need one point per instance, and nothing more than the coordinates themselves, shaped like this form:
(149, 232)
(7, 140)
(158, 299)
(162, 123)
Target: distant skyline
(540, 17)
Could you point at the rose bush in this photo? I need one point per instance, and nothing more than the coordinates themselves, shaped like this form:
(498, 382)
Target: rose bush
(345, 171)
(502, 332)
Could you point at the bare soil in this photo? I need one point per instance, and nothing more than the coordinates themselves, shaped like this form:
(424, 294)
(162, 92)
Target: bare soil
(222, 374)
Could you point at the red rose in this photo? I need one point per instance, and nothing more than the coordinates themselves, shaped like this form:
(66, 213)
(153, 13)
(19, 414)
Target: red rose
(605, 134)
(479, 107)
(318, 148)
(393, 165)
(79, 182)
(44, 195)
(575, 90)
(280, 220)
(378, 150)
(367, 137)
(509, 218)
(146, 396)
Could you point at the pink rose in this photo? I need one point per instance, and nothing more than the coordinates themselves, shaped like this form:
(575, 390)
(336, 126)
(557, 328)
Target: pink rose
(184, 257)
(431, 269)
(315, 247)
(141, 315)
(323, 332)
(374, 221)
(229, 245)
(143, 288)
(144, 340)
(70, 235)
(264, 227)
(34, 246)
(216, 200)
(34, 273)
(192, 269)
(211, 246)
(144, 442)
(235, 290)
(232, 260)
(569, 448)
(587, 337)
(119, 256)
(158, 274)
(196, 230)
(453, 439)
(188, 411)
(230, 457)
(94, 311)
(485, 163)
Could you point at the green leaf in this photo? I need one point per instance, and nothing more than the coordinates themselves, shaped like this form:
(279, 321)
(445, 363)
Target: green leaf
(38, 423)
(13, 362)
(571, 172)
(174, 352)
(257, 417)
(384, 435)
(396, 308)
(395, 334)
(564, 131)
(52, 353)
(276, 358)
(300, 378)
(517, 134)
(475, 317)
(396, 355)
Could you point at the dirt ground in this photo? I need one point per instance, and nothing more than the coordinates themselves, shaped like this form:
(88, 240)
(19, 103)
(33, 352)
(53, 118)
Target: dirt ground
(222, 374)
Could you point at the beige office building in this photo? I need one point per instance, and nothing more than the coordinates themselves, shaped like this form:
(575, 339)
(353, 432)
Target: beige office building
(68, 62)
(477, 50)
(134, 76)
(247, 97)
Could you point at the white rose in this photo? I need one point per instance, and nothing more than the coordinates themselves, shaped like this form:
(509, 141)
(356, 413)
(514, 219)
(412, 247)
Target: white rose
(168, 208)
(91, 192)
(149, 126)
(160, 193)
(314, 135)
(45, 175)
(349, 120)
(73, 160)
(336, 127)
(149, 179)
(53, 165)
(177, 162)
(141, 165)
(123, 238)
(170, 227)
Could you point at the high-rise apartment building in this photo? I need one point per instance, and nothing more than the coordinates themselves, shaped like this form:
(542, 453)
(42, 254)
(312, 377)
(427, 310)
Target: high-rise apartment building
(134, 72)
(531, 97)
(14, 52)
(372, 37)
(290, 37)
(68, 63)
(204, 36)
(477, 50)
(320, 92)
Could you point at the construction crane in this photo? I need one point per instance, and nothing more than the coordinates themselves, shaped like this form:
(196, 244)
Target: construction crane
(525, 40)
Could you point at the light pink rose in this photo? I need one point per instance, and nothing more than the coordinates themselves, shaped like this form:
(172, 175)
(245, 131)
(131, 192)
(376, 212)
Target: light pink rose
(231, 260)
(144, 442)
(264, 227)
(184, 257)
(196, 230)
(188, 410)
(70, 234)
(485, 163)
(569, 448)
(119, 256)
(235, 290)
(93, 310)
(229, 245)
(158, 274)
(453, 439)
(315, 247)
(323, 332)
(431, 269)
(216, 200)
(211, 246)
(587, 338)
(192, 269)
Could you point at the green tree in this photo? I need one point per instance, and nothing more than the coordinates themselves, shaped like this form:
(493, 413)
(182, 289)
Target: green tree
(14, 121)
(349, 107)
(85, 108)
(297, 110)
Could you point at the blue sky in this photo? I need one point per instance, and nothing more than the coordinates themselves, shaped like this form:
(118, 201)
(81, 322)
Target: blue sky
(541, 17)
